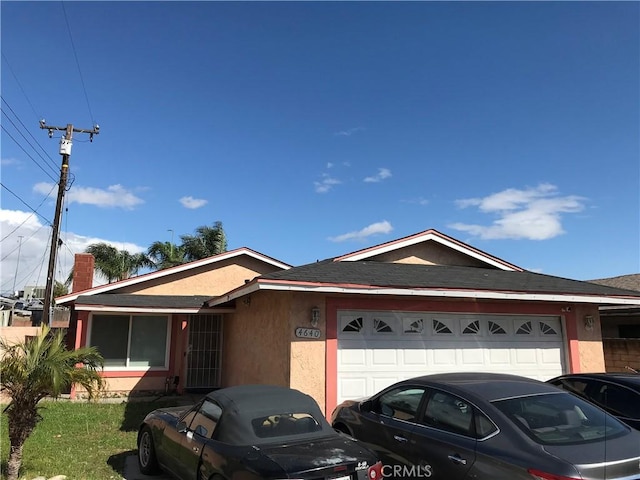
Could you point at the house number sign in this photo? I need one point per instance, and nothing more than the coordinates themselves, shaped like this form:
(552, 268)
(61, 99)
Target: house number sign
(302, 332)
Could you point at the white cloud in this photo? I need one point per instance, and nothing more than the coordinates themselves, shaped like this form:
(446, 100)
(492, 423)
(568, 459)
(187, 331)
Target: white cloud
(114, 196)
(29, 256)
(373, 229)
(349, 132)
(193, 203)
(5, 162)
(326, 183)
(419, 201)
(383, 173)
(532, 213)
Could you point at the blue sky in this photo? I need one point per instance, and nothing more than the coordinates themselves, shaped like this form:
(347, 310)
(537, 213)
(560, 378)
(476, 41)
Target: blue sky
(313, 129)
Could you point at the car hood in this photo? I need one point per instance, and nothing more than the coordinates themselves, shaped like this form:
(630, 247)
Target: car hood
(320, 454)
(613, 459)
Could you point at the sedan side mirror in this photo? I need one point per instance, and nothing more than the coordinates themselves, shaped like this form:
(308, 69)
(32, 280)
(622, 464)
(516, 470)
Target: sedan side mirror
(181, 427)
(366, 406)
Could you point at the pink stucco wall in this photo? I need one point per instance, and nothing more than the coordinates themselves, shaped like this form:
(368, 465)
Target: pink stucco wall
(227, 275)
(256, 340)
(308, 356)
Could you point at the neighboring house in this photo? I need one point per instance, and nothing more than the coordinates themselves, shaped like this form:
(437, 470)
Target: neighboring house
(343, 327)
(621, 327)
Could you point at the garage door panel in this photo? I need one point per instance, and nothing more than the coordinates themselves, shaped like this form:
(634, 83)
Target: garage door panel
(352, 357)
(414, 356)
(472, 356)
(376, 350)
(384, 357)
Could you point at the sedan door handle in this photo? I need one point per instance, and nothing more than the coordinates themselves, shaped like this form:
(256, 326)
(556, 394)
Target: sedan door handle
(457, 460)
(399, 438)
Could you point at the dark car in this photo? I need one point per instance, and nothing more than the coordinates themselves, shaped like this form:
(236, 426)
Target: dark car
(617, 393)
(490, 426)
(250, 432)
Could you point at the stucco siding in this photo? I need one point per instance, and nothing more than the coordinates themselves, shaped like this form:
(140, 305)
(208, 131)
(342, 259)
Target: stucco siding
(226, 276)
(308, 362)
(130, 386)
(13, 335)
(589, 338)
(256, 341)
(428, 254)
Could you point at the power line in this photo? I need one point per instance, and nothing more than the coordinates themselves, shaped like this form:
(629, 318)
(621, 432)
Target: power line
(53, 162)
(31, 215)
(73, 47)
(25, 203)
(22, 89)
(26, 153)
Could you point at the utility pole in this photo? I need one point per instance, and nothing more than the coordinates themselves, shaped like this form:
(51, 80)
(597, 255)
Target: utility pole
(15, 277)
(65, 151)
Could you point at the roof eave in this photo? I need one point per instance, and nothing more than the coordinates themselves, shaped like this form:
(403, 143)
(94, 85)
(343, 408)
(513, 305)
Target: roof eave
(65, 299)
(313, 287)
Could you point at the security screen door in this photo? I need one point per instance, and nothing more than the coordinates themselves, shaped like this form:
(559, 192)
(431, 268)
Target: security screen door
(204, 352)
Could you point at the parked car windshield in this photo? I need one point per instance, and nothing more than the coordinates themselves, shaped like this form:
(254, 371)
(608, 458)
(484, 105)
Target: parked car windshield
(560, 419)
(284, 425)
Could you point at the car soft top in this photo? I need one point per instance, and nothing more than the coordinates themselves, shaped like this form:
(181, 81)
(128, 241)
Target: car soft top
(244, 403)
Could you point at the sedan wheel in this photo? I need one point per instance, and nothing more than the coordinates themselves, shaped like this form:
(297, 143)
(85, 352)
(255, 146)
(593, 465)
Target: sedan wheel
(147, 453)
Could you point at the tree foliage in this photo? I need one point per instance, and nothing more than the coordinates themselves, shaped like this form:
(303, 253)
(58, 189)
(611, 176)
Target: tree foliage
(116, 264)
(36, 368)
(166, 254)
(206, 242)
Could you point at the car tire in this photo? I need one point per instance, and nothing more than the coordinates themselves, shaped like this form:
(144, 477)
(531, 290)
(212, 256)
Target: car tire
(147, 460)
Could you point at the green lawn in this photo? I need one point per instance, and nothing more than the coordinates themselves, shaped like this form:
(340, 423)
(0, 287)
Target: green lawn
(84, 441)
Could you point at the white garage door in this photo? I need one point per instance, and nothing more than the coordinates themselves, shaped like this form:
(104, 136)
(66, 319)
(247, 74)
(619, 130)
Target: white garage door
(377, 349)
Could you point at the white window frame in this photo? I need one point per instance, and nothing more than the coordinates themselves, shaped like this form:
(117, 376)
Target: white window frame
(113, 368)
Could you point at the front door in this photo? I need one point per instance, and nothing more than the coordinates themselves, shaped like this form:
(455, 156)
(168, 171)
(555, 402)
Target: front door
(204, 352)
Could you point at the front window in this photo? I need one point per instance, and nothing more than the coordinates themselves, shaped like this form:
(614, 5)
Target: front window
(560, 419)
(137, 341)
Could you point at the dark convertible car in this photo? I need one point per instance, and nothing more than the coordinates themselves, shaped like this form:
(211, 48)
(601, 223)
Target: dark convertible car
(251, 432)
(490, 427)
(617, 393)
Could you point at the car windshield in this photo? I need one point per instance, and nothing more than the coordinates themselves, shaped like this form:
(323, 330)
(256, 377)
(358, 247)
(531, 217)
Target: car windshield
(284, 425)
(560, 419)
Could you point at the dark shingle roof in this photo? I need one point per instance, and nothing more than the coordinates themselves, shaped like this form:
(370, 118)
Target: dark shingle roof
(144, 301)
(628, 282)
(409, 276)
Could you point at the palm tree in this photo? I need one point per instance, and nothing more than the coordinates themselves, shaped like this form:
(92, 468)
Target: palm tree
(166, 254)
(206, 242)
(60, 289)
(116, 264)
(41, 367)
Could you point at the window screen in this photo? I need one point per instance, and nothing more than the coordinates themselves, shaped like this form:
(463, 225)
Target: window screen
(130, 341)
(110, 335)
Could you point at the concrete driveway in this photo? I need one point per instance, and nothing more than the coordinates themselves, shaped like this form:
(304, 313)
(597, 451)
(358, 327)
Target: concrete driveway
(132, 472)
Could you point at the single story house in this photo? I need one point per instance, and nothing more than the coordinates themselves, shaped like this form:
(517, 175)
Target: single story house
(340, 328)
(621, 327)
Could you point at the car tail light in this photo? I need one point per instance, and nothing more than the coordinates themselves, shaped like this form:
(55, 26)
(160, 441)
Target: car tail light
(375, 472)
(539, 475)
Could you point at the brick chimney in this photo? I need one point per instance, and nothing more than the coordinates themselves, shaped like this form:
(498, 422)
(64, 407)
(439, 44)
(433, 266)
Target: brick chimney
(83, 272)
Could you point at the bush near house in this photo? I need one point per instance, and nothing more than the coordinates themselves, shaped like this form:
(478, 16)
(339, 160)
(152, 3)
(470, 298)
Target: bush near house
(84, 441)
